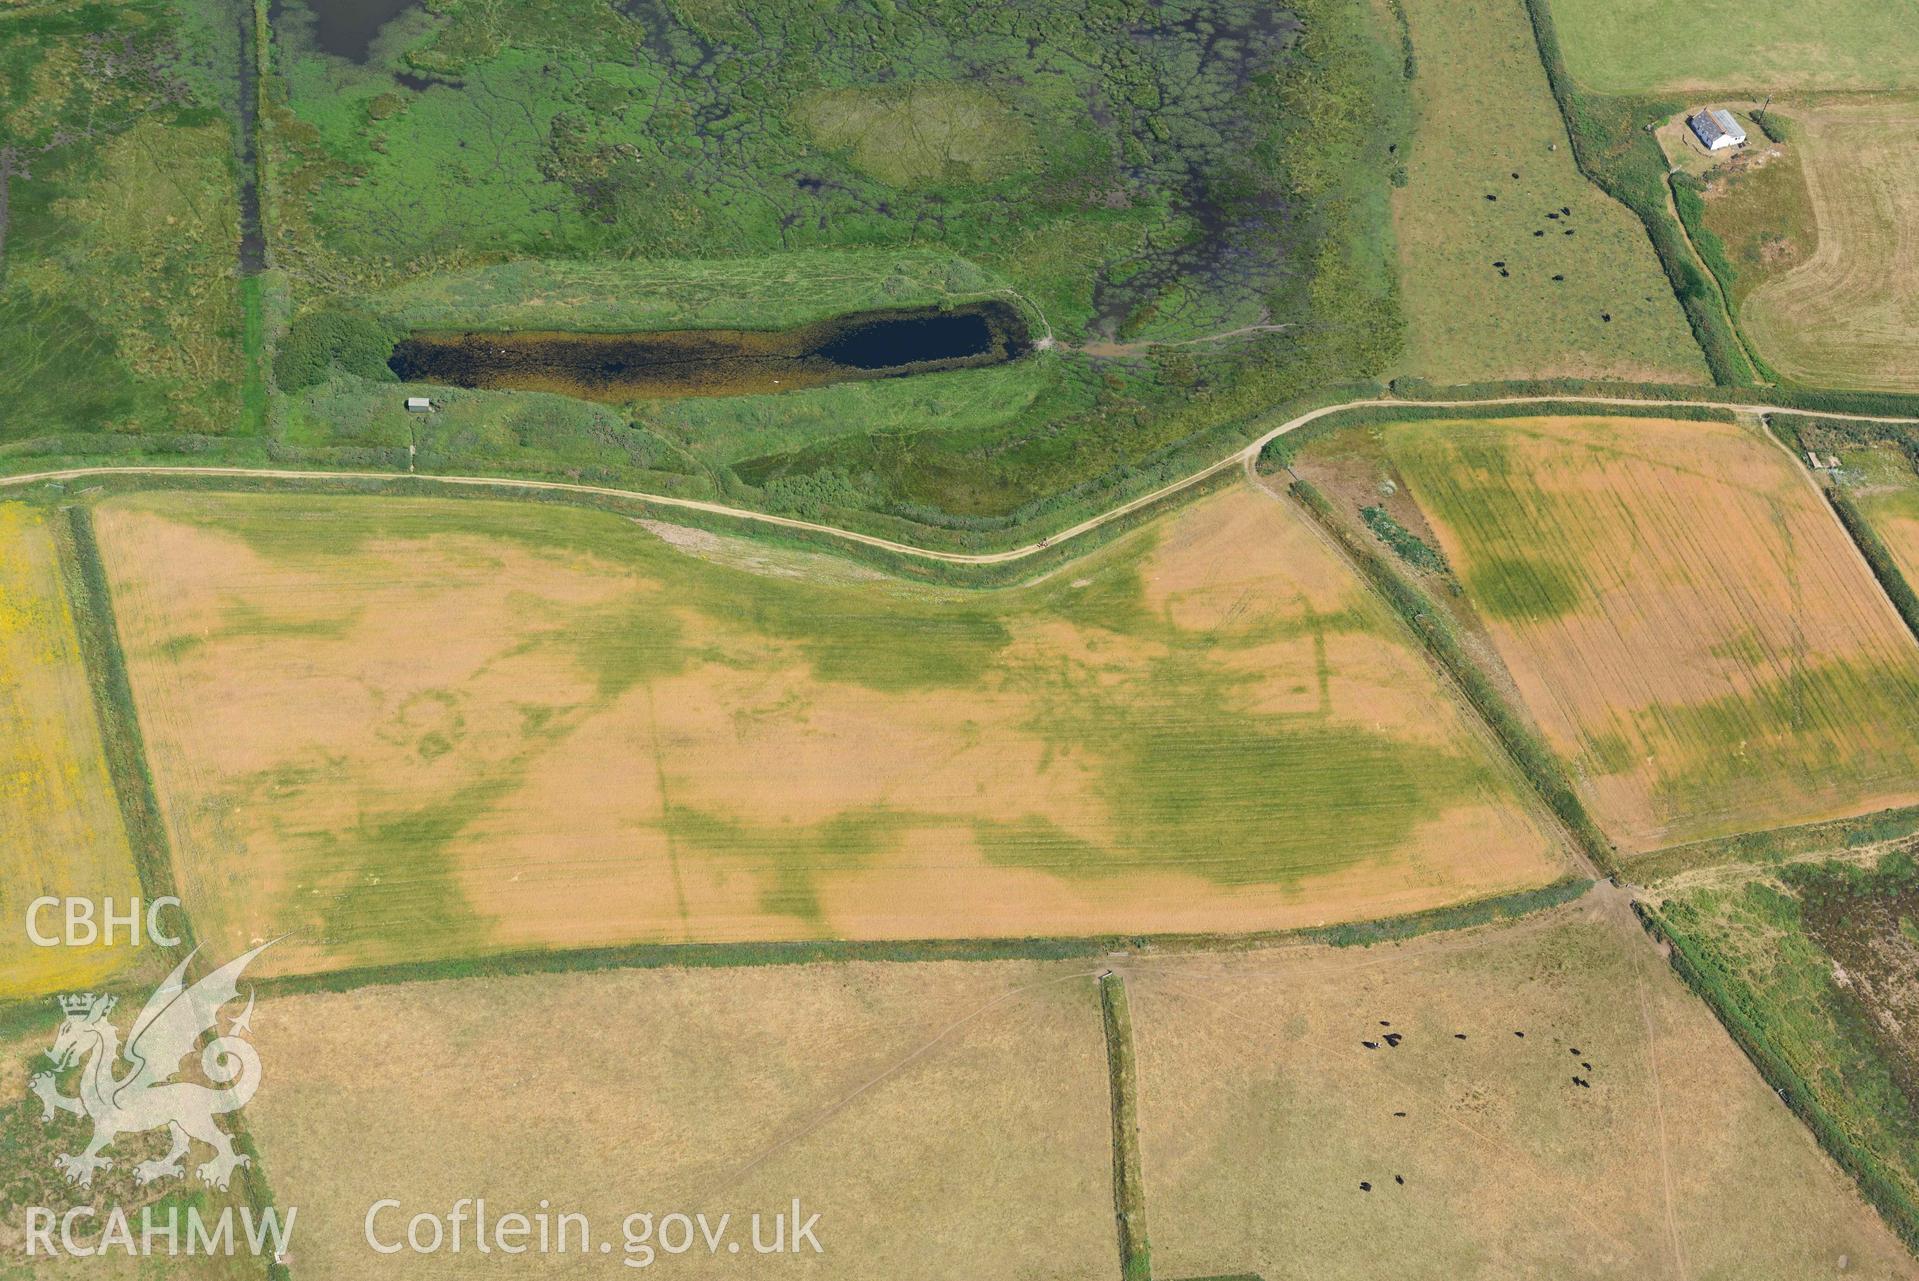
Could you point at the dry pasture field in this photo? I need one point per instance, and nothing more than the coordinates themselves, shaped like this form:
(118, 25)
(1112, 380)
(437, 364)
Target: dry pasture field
(1263, 1112)
(60, 827)
(1849, 315)
(407, 729)
(1512, 264)
(1682, 614)
(944, 1120)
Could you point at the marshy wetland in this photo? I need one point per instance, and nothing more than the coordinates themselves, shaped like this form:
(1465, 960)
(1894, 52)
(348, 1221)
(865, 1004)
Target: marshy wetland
(1110, 167)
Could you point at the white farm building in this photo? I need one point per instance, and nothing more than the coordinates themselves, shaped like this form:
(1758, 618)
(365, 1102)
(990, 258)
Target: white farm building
(1717, 130)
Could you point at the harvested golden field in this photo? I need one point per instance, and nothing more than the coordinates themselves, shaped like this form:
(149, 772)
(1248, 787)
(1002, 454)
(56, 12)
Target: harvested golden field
(943, 1120)
(1849, 314)
(1512, 264)
(405, 729)
(60, 828)
(1263, 1115)
(1683, 615)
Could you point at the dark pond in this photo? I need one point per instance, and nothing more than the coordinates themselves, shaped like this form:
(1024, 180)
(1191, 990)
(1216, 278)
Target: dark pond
(346, 28)
(718, 362)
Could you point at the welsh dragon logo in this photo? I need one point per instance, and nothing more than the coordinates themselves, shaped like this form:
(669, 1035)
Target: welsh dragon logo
(146, 1097)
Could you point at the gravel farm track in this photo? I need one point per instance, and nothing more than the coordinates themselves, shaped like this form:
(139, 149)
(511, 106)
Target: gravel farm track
(1243, 457)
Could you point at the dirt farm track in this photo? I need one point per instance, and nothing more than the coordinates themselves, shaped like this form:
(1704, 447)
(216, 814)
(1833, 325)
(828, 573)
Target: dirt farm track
(1243, 457)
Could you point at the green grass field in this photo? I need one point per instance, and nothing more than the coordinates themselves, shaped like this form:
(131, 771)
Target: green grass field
(1512, 264)
(1745, 46)
(119, 313)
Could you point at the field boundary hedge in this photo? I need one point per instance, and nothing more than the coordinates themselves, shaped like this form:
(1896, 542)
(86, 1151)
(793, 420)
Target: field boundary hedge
(1437, 920)
(1878, 557)
(1281, 449)
(1435, 630)
(988, 567)
(1792, 427)
(742, 524)
(105, 664)
(1689, 204)
(1129, 1177)
(1776, 844)
(1824, 400)
(1496, 909)
(1710, 985)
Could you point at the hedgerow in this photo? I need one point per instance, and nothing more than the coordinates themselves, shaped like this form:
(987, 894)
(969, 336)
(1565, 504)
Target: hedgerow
(1878, 556)
(1436, 631)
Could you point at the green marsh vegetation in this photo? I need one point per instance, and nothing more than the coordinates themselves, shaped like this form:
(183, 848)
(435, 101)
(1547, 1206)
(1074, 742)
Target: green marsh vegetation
(120, 315)
(1127, 174)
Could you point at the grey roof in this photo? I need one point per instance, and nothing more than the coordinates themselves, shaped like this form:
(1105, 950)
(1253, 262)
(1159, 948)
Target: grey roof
(1713, 125)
